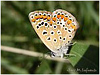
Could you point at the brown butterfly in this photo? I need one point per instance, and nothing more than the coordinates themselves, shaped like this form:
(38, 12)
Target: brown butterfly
(56, 29)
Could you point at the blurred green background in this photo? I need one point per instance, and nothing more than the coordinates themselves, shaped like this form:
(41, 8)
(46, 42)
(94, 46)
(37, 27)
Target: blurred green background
(16, 31)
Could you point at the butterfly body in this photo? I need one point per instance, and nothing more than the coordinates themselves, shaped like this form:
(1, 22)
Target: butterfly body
(56, 29)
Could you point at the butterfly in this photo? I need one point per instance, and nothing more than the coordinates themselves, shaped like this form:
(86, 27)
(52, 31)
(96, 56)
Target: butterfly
(55, 29)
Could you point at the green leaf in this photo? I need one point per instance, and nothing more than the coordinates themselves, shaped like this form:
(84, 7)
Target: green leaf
(79, 51)
(87, 56)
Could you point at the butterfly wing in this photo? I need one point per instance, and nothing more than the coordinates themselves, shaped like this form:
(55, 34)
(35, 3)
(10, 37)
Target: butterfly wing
(67, 26)
(41, 21)
(54, 28)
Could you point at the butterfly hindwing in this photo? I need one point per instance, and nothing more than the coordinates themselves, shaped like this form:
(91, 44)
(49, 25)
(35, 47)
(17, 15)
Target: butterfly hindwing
(41, 21)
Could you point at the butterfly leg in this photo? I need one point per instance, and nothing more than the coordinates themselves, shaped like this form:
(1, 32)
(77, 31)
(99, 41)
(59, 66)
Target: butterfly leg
(73, 43)
(53, 54)
(61, 55)
(67, 53)
(56, 55)
(73, 55)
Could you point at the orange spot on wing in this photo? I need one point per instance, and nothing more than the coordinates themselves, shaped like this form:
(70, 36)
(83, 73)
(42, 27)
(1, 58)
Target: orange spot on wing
(65, 18)
(33, 20)
(41, 16)
(51, 22)
(48, 18)
(69, 22)
(73, 26)
(36, 17)
(54, 18)
(44, 17)
(62, 16)
(58, 16)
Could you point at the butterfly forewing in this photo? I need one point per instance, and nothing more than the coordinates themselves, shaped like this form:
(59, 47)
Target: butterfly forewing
(68, 26)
